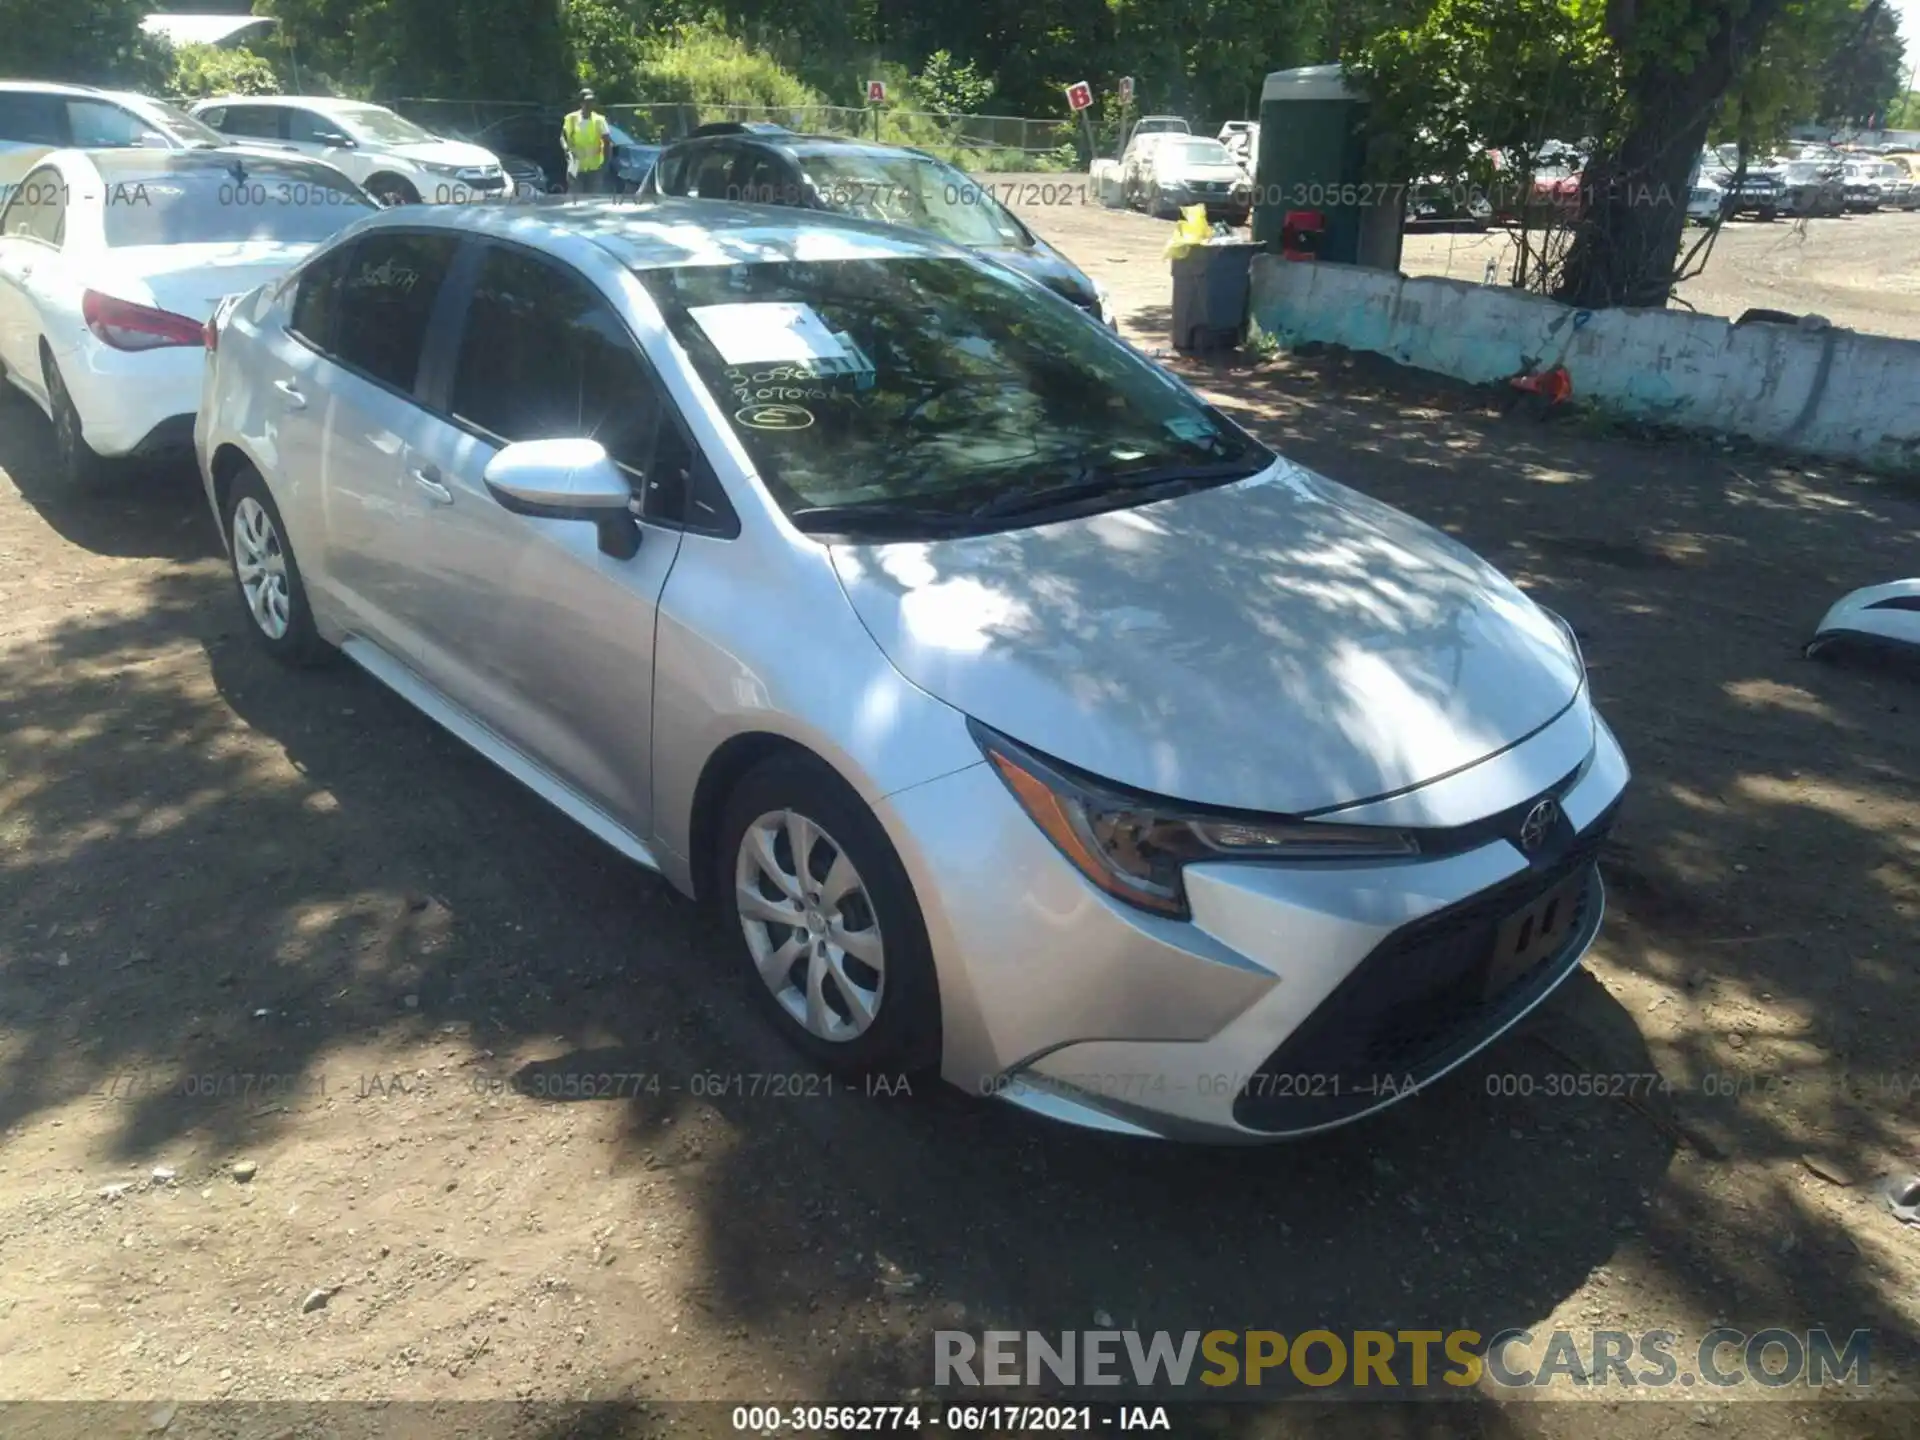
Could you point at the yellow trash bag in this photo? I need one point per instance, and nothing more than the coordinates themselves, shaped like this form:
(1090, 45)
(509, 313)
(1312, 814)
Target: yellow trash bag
(1191, 230)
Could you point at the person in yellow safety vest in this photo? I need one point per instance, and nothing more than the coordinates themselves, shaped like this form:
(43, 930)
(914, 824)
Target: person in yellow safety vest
(589, 143)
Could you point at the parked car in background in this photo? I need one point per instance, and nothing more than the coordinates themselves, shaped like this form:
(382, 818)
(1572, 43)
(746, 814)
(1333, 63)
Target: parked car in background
(1897, 191)
(1810, 187)
(1158, 125)
(870, 182)
(1192, 170)
(103, 300)
(1439, 203)
(1242, 139)
(1706, 195)
(39, 117)
(533, 138)
(1760, 191)
(393, 159)
(1861, 185)
(979, 675)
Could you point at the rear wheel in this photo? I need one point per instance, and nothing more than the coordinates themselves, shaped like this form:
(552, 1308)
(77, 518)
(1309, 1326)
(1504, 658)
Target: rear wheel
(830, 931)
(76, 465)
(267, 575)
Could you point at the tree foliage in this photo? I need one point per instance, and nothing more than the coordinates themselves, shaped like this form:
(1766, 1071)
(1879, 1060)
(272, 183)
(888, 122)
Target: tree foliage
(1866, 66)
(89, 42)
(951, 87)
(203, 70)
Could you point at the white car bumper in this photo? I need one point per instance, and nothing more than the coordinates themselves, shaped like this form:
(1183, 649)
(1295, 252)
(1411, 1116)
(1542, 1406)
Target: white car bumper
(133, 401)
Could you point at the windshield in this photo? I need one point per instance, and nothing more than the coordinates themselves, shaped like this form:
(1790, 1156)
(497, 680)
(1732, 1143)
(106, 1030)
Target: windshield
(184, 126)
(910, 190)
(214, 206)
(1198, 152)
(383, 127)
(930, 386)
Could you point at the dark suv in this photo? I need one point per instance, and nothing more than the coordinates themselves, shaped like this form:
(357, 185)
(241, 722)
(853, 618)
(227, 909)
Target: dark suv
(763, 165)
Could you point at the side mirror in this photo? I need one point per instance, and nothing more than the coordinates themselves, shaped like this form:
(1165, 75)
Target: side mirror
(567, 480)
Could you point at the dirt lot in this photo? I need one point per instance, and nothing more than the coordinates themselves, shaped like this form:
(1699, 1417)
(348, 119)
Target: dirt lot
(282, 927)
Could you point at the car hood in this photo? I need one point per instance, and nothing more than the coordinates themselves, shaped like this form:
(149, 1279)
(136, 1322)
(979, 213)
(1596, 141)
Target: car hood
(1281, 644)
(1053, 271)
(445, 152)
(1199, 174)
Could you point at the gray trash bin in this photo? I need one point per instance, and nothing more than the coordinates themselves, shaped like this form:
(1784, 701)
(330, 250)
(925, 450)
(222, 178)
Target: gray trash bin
(1210, 295)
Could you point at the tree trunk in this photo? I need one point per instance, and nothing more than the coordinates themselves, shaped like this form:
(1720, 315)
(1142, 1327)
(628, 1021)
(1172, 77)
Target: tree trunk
(1635, 191)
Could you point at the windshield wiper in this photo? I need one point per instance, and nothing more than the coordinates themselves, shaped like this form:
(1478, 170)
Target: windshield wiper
(878, 515)
(1089, 484)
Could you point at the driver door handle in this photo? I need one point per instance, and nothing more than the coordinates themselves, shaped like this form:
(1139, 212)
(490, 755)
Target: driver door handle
(427, 477)
(295, 400)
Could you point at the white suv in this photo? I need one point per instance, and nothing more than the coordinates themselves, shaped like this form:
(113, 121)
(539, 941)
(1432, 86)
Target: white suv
(396, 161)
(39, 116)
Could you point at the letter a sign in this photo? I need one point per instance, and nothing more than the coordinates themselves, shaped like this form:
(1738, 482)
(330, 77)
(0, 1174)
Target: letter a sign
(876, 92)
(1079, 95)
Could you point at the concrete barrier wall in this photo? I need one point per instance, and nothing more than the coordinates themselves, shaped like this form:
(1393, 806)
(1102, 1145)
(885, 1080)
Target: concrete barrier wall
(1822, 391)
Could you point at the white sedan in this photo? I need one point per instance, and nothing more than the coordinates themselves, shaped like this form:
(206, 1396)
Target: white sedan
(111, 262)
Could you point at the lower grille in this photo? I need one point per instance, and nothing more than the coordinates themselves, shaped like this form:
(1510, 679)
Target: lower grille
(1416, 1005)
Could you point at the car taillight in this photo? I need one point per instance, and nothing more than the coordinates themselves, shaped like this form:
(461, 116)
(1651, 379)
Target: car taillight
(210, 332)
(126, 326)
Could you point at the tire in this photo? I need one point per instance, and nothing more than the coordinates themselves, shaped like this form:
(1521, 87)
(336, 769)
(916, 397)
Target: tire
(874, 1010)
(391, 190)
(258, 552)
(77, 466)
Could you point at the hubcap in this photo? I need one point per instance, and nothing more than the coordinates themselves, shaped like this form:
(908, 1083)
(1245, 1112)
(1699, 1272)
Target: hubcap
(810, 925)
(261, 566)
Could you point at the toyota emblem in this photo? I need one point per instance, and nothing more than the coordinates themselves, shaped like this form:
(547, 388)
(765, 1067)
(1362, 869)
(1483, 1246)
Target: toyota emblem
(1538, 825)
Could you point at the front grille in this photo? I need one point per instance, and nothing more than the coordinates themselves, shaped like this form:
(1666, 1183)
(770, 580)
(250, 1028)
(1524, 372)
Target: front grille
(1416, 1005)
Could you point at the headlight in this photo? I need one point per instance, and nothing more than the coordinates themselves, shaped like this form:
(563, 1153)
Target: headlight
(1134, 847)
(452, 172)
(1566, 633)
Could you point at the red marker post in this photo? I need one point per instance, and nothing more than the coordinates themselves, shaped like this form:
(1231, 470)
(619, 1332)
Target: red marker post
(876, 97)
(1080, 100)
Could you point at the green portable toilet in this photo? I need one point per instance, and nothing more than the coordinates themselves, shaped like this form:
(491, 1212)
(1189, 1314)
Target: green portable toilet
(1313, 156)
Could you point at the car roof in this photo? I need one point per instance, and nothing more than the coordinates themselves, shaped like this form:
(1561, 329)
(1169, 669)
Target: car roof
(323, 103)
(61, 87)
(671, 231)
(797, 143)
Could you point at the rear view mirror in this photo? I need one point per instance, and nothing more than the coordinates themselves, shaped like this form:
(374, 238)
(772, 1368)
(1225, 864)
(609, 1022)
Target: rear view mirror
(567, 480)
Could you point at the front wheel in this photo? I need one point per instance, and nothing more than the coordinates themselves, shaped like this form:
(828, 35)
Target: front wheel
(828, 924)
(391, 190)
(267, 575)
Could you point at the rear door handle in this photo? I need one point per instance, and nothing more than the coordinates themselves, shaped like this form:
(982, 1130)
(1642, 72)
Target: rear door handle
(427, 477)
(295, 400)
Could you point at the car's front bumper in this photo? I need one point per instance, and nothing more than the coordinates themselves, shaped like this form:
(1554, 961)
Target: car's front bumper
(1297, 998)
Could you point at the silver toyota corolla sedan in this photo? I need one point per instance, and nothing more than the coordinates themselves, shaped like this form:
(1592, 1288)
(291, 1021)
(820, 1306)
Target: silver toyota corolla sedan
(1020, 714)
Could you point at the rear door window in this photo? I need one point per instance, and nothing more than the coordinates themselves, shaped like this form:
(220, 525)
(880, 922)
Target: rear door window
(96, 123)
(30, 119)
(252, 122)
(38, 210)
(385, 302)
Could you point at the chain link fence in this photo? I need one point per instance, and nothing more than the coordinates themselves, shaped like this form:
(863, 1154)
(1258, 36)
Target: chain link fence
(974, 142)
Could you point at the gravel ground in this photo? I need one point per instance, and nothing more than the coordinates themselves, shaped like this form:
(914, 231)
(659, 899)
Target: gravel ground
(287, 979)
